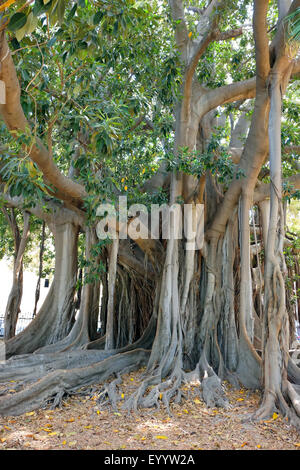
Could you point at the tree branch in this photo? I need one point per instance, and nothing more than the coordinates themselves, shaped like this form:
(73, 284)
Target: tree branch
(288, 149)
(14, 118)
(59, 213)
(263, 191)
(225, 94)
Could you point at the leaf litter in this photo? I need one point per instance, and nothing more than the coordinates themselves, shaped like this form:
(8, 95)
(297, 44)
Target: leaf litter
(83, 423)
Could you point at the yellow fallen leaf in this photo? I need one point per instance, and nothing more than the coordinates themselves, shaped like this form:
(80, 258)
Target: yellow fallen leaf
(71, 420)
(30, 414)
(98, 412)
(297, 444)
(87, 427)
(258, 446)
(64, 443)
(52, 433)
(122, 395)
(244, 444)
(275, 416)
(3, 439)
(190, 34)
(160, 437)
(72, 443)
(240, 399)
(160, 396)
(185, 411)
(198, 402)
(7, 427)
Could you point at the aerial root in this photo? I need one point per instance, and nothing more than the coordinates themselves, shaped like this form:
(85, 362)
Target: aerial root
(109, 394)
(212, 388)
(57, 400)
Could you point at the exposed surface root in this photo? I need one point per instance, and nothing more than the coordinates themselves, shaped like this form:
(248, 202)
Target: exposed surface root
(294, 396)
(212, 390)
(157, 392)
(60, 382)
(109, 394)
(293, 372)
(60, 373)
(34, 366)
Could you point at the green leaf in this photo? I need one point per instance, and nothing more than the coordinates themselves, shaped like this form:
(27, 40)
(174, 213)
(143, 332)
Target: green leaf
(40, 7)
(52, 41)
(97, 17)
(72, 12)
(17, 21)
(58, 12)
(20, 33)
(31, 23)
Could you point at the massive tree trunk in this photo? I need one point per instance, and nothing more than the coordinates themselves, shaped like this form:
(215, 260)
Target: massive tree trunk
(203, 308)
(56, 316)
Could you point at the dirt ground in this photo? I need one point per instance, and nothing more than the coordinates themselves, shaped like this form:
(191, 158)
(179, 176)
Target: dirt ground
(81, 423)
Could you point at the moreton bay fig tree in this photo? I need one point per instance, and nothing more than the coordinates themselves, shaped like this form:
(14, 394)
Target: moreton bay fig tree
(182, 104)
